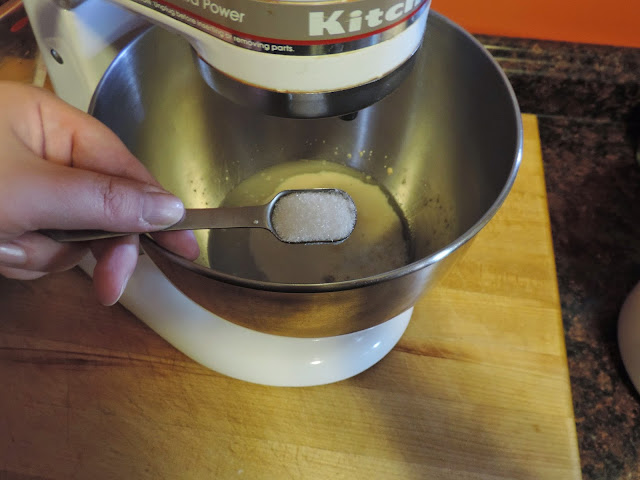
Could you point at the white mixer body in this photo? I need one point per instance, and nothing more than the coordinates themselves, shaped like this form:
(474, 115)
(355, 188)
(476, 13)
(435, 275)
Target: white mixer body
(79, 39)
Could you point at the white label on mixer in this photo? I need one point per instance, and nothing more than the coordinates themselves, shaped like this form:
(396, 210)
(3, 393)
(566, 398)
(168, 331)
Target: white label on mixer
(338, 23)
(294, 28)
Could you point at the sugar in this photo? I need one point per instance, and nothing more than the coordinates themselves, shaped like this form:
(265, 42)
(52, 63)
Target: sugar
(314, 216)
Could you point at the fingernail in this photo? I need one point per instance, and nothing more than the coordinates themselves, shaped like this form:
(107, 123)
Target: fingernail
(133, 252)
(12, 255)
(162, 210)
(122, 289)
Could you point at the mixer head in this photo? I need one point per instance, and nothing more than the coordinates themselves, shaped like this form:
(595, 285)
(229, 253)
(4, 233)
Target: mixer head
(306, 59)
(299, 59)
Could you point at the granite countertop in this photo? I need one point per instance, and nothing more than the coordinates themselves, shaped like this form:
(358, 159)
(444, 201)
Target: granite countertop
(587, 99)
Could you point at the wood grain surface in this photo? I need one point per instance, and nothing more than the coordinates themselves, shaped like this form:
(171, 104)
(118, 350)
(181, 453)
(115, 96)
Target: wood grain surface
(476, 389)
(16, 69)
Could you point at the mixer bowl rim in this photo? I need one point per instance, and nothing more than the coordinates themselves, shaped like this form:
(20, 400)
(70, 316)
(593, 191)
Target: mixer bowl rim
(391, 274)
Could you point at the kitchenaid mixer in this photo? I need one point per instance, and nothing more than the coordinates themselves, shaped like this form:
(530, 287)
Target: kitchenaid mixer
(293, 334)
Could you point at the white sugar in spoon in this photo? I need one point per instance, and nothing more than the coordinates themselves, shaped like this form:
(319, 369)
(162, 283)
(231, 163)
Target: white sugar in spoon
(321, 215)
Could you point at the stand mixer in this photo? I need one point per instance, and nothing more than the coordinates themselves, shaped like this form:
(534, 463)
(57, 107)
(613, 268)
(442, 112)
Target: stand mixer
(296, 59)
(282, 73)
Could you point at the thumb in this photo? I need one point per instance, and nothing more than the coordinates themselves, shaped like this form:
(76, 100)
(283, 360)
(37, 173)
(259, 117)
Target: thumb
(50, 196)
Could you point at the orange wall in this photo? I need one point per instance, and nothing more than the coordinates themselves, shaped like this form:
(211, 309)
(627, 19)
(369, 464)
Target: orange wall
(609, 22)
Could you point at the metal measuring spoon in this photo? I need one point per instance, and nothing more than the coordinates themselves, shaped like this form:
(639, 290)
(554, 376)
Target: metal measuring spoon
(321, 215)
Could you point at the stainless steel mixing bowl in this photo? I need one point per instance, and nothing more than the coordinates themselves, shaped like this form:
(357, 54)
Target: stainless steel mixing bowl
(451, 134)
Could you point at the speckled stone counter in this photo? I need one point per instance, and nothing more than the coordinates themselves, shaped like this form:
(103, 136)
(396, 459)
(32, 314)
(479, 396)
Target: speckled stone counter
(16, 39)
(587, 99)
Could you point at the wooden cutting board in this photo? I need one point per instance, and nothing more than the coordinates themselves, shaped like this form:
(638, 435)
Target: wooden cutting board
(477, 388)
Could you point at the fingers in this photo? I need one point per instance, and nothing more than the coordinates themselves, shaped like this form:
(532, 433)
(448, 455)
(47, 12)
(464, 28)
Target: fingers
(19, 274)
(116, 261)
(31, 256)
(55, 197)
(64, 135)
(62, 169)
(48, 197)
(12, 255)
(183, 243)
(37, 253)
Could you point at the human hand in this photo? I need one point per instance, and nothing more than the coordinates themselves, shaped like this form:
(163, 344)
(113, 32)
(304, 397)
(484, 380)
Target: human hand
(62, 169)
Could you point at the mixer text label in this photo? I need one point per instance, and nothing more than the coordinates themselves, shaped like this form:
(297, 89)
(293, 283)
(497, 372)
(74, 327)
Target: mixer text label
(297, 28)
(333, 23)
(233, 15)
